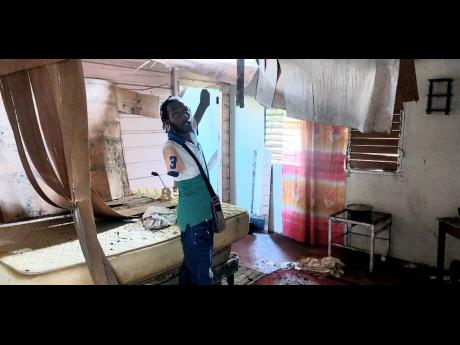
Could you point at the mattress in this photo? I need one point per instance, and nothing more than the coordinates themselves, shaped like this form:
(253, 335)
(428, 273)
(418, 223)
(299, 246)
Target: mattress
(136, 254)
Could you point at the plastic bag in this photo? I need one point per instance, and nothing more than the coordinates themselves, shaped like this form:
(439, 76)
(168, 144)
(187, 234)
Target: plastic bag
(157, 217)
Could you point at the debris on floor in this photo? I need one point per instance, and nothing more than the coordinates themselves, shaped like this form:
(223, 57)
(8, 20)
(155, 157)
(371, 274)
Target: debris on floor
(269, 263)
(287, 265)
(324, 266)
(158, 217)
(245, 276)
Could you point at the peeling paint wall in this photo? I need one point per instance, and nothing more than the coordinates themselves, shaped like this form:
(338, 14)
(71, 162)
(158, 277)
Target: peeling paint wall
(430, 183)
(18, 199)
(107, 164)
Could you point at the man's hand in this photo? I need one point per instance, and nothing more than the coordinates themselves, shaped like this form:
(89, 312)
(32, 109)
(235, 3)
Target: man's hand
(205, 98)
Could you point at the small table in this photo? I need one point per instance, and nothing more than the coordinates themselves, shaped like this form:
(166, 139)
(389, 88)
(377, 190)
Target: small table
(447, 225)
(377, 223)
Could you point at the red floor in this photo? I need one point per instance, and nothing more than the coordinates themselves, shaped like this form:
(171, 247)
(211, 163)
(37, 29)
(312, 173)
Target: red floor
(265, 253)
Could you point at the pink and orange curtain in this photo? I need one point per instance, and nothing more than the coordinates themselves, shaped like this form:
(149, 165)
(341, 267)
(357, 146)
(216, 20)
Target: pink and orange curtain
(313, 170)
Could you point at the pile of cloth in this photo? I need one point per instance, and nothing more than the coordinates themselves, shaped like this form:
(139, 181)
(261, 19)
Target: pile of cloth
(158, 217)
(324, 266)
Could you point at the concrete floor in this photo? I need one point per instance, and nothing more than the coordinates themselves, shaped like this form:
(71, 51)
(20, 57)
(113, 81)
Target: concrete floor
(266, 253)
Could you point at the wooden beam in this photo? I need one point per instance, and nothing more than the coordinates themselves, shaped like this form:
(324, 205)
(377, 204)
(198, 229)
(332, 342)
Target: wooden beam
(131, 63)
(125, 75)
(225, 144)
(174, 82)
(8, 66)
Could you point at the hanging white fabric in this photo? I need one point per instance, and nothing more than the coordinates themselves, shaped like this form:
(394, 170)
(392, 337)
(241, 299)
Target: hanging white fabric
(266, 81)
(351, 93)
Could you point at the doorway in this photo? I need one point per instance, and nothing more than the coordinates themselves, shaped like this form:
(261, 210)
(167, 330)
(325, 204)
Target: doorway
(209, 130)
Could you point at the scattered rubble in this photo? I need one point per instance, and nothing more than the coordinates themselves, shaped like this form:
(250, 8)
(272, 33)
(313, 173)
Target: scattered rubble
(326, 265)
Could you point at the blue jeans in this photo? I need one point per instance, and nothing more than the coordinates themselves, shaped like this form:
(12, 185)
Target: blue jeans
(197, 244)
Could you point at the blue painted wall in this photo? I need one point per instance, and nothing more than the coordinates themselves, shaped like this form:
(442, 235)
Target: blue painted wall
(249, 136)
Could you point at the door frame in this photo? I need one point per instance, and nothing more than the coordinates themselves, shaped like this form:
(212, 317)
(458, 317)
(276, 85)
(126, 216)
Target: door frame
(224, 131)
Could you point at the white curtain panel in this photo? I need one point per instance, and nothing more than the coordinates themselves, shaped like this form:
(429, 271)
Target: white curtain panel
(355, 93)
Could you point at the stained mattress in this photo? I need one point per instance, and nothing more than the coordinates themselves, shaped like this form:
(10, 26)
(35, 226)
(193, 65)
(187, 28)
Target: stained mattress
(135, 253)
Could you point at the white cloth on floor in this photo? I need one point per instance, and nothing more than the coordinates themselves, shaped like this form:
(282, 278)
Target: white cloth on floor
(326, 265)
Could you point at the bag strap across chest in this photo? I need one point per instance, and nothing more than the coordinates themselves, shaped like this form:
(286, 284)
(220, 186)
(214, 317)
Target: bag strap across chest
(205, 178)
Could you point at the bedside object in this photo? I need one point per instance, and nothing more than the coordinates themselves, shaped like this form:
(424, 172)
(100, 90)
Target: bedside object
(360, 212)
(447, 225)
(376, 223)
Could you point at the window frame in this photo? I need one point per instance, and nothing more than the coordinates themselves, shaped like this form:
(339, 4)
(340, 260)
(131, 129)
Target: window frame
(401, 143)
(266, 110)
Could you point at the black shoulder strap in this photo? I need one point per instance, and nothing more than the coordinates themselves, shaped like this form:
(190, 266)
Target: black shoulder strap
(205, 178)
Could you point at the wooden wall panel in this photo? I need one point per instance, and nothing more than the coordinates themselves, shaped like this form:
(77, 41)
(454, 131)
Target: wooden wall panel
(143, 140)
(108, 171)
(226, 144)
(132, 102)
(112, 137)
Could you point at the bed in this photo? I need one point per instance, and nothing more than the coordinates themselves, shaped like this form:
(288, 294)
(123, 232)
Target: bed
(47, 251)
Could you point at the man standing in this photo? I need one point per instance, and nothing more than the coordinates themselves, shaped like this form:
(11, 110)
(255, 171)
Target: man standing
(194, 207)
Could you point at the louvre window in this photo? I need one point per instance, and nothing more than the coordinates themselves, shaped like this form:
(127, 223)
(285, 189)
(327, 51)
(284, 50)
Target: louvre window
(376, 151)
(274, 119)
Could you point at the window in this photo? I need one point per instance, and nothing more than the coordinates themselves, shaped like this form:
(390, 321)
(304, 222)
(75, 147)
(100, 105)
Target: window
(274, 119)
(380, 152)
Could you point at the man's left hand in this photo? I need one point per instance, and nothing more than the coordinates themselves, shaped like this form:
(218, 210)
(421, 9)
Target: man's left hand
(205, 98)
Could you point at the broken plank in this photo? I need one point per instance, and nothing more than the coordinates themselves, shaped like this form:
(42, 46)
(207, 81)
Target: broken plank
(125, 75)
(131, 63)
(8, 66)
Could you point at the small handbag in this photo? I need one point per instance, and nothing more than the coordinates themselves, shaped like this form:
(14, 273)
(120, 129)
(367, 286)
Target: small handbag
(216, 207)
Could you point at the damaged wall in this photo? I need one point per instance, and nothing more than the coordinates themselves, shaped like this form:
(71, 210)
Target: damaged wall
(107, 165)
(18, 199)
(142, 137)
(430, 183)
(155, 80)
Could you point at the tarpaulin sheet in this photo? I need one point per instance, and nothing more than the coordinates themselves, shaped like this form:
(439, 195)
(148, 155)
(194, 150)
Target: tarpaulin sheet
(354, 93)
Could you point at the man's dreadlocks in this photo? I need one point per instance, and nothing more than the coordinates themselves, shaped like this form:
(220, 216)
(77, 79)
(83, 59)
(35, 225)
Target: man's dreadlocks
(164, 111)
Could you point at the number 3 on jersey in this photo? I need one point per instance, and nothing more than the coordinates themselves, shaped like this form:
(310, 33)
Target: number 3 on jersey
(173, 160)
